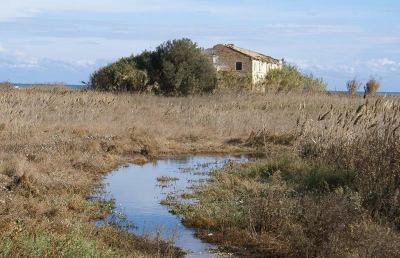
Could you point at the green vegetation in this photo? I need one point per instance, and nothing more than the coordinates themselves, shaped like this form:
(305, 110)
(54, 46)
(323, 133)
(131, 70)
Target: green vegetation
(42, 244)
(289, 78)
(233, 82)
(181, 68)
(120, 76)
(176, 67)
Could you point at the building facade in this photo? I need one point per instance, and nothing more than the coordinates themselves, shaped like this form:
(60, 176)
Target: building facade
(246, 62)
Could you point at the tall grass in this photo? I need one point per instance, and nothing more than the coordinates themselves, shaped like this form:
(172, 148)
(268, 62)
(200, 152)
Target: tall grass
(353, 86)
(4, 86)
(336, 195)
(366, 140)
(55, 144)
(287, 207)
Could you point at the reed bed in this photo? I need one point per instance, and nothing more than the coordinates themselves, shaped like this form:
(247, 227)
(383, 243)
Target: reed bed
(334, 193)
(56, 143)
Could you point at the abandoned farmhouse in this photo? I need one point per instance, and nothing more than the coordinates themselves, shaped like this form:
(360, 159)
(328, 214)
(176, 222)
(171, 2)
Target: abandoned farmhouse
(228, 57)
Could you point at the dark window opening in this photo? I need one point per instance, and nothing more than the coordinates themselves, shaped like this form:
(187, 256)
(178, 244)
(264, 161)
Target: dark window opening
(239, 66)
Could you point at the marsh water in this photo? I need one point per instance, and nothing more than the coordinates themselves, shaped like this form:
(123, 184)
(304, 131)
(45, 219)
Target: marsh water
(137, 194)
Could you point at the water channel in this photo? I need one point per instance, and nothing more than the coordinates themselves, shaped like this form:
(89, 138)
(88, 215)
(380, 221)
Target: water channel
(137, 194)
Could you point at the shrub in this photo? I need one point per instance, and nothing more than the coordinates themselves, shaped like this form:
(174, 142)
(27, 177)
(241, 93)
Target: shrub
(353, 86)
(321, 179)
(179, 67)
(233, 82)
(289, 78)
(119, 76)
(176, 67)
(371, 87)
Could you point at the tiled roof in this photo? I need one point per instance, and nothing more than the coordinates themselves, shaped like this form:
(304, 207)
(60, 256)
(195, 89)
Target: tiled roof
(253, 54)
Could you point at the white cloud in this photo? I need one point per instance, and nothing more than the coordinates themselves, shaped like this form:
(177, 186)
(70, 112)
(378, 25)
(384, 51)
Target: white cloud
(17, 60)
(384, 61)
(384, 64)
(2, 49)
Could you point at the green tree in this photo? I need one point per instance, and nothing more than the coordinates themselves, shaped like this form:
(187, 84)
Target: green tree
(179, 67)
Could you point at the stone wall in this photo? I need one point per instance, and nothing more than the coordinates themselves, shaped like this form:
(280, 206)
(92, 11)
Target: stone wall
(225, 60)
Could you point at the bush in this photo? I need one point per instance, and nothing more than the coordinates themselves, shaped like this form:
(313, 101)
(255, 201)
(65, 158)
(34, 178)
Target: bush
(119, 76)
(233, 82)
(371, 87)
(289, 78)
(176, 67)
(179, 67)
(353, 86)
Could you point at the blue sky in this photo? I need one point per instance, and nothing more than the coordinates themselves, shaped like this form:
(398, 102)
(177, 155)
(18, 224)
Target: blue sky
(64, 41)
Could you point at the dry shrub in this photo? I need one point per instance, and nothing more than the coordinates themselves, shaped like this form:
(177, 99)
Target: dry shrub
(366, 140)
(353, 86)
(372, 87)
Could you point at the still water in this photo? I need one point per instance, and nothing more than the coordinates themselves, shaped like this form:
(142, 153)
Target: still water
(137, 195)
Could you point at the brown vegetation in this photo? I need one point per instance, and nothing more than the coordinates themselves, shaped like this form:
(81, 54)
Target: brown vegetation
(338, 196)
(372, 87)
(353, 86)
(166, 179)
(55, 144)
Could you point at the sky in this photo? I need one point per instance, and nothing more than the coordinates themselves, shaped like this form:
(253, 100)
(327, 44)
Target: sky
(65, 41)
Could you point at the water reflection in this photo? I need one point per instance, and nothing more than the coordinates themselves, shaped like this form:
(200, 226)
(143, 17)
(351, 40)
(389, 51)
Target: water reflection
(137, 195)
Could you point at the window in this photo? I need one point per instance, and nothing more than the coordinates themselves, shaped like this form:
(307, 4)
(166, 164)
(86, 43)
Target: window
(215, 59)
(239, 66)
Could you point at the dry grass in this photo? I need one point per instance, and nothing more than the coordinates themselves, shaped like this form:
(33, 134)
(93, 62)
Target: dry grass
(55, 144)
(6, 86)
(338, 196)
(353, 86)
(166, 179)
(366, 140)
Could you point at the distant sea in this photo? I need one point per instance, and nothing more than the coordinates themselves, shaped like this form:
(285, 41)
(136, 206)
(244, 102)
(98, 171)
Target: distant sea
(27, 85)
(72, 86)
(361, 93)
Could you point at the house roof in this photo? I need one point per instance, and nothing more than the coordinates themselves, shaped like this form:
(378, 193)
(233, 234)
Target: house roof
(252, 54)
